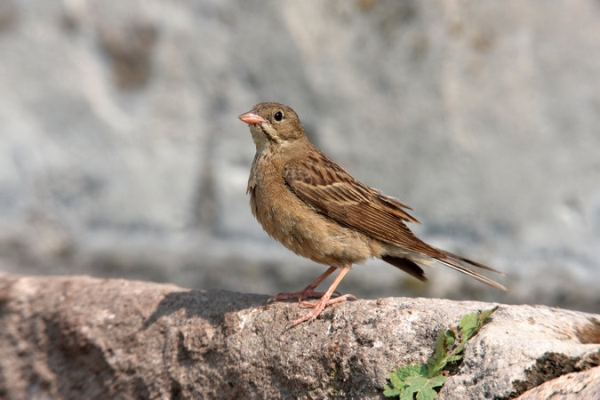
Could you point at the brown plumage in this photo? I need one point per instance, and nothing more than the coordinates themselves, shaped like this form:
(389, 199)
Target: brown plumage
(319, 211)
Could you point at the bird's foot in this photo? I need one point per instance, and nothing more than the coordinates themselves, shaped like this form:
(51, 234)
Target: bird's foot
(335, 300)
(319, 306)
(308, 293)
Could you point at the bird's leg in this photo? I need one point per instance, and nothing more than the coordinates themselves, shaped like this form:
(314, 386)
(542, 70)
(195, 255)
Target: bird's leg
(325, 299)
(307, 292)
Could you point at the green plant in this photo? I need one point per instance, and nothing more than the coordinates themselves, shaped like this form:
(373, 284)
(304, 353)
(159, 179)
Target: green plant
(422, 380)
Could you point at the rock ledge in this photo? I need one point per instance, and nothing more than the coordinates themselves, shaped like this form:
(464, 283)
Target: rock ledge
(82, 337)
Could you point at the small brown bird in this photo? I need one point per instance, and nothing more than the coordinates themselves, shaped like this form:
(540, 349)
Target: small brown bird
(319, 211)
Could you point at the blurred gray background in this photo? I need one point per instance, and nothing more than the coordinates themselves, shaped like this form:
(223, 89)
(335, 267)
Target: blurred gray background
(121, 154)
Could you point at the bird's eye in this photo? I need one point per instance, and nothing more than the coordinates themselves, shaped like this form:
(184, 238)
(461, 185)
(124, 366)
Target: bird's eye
(278, 116)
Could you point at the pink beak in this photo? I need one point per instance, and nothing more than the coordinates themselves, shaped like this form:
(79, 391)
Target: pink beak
(251, 118)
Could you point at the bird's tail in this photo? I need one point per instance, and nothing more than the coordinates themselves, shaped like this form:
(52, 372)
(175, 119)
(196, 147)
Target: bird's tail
(408, 263)
(457, 262)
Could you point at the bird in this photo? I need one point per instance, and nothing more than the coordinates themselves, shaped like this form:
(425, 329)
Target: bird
(316, 209)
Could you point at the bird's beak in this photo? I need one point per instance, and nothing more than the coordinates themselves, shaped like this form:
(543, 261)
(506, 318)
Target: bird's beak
(251, 118)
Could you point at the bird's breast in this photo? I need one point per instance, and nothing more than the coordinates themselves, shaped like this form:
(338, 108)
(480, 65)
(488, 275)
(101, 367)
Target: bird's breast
(299, 227)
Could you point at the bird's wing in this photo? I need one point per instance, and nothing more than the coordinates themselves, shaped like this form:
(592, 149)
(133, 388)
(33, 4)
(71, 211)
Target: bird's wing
(328, 188)
(325, 186)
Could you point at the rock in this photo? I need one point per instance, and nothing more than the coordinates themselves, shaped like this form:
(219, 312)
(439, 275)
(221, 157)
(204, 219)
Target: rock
(121, 153)
(577, 385)
(81, 337)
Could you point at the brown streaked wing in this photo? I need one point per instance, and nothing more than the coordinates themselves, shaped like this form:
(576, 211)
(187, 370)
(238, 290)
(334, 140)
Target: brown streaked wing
(324, 185)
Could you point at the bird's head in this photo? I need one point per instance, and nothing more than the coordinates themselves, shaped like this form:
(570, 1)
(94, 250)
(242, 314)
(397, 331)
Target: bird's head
(273, 124)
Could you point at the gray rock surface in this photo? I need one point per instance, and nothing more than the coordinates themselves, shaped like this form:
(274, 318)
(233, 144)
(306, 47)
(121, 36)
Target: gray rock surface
(583, 385)
(121, 154)
(82, 337)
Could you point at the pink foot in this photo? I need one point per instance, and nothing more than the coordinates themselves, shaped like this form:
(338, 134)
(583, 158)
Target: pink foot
(318, 307)
(307, 293)
(335, 300)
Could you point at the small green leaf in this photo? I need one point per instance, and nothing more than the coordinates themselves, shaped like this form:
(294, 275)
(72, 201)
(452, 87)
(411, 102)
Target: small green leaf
(389, 391)
(397, 383)
(484, 315)
(459, 349)
(467, 324)
(410, 370)
(423, 386)
(421, 380)
(434, 368)
(450, 338)
(440, 346)
(471, 323)
(398, 379)
(454, 358)
(437, 362)
(408, 394)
